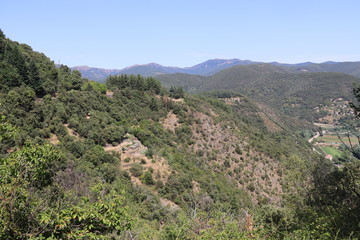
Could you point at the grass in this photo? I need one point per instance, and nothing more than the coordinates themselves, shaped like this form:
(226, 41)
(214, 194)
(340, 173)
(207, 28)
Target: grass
(332, 151)
(335, 140)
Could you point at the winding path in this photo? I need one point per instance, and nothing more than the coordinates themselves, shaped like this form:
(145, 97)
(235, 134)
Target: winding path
(317, 134)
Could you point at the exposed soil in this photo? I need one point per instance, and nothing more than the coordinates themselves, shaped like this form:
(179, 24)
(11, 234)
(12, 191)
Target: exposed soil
(270, 125)
(171, 121)
(54, 139)
(72, 132)
(109, 94)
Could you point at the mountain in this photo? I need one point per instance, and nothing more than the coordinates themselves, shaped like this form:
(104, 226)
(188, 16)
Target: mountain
(213, 66)
(287, 89)
(153, 69)
(150, 69)
(96, 74)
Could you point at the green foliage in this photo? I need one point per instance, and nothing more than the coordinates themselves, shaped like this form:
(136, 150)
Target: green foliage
(336, 197)
(97, 156)
(136, 169)
(94, 86)
(24, 174)
(147, 178)
(176, 92)
(134, 82)
(32, 164)
(238, 150)
(8, 135)
(90, 219)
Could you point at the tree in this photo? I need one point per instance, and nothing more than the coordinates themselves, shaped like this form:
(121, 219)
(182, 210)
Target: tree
(176, 92)
(24, 174)
(33, 205)
(2, 35)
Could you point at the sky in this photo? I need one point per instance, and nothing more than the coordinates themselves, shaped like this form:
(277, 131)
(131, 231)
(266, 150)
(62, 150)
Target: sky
(116, 34)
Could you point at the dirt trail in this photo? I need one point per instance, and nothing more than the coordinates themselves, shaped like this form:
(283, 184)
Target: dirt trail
(317, 134)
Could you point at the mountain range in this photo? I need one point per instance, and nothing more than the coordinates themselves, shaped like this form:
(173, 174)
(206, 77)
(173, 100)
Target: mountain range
(213, 66)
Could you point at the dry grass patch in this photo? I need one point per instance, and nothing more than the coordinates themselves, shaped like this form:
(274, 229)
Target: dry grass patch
(171, 121)
(54, 139)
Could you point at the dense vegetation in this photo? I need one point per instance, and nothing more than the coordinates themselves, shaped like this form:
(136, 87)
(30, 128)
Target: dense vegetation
(295, 94)
(208, 169)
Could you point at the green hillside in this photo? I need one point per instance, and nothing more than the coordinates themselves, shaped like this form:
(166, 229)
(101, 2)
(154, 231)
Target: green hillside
(351, 68)
(128, 160)
(295, 94)
(190, 83)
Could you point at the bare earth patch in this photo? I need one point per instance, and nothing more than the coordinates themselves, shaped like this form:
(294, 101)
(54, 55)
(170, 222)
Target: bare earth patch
(270, 125)
(72, 132)
(54, 139)
(171, 121)
(231, 101)
(109, 94)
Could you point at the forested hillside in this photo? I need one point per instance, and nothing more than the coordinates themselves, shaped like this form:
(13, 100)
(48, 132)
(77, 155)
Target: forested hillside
(351, 68)
(130, 159)
(295, 94)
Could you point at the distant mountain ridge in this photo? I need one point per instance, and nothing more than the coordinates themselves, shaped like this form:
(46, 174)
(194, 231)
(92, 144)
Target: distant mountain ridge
(214, 66)
(206, 68)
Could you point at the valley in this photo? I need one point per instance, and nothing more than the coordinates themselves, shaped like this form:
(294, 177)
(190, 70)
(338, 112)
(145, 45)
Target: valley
(338, 129)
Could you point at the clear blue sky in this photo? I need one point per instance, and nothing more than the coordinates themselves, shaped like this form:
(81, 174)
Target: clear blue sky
(117, 34)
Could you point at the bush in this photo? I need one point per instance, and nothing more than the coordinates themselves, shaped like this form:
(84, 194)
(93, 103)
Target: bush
(238, 150)
(149, 153)
(251, 187)
(136, 169)
(147, 178)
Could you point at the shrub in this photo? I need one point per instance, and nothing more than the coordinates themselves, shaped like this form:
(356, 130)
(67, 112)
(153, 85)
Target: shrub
(147, 178)
(238, 150)
(149, 153)
(227, 163)
(251, 187)
(136, 169)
